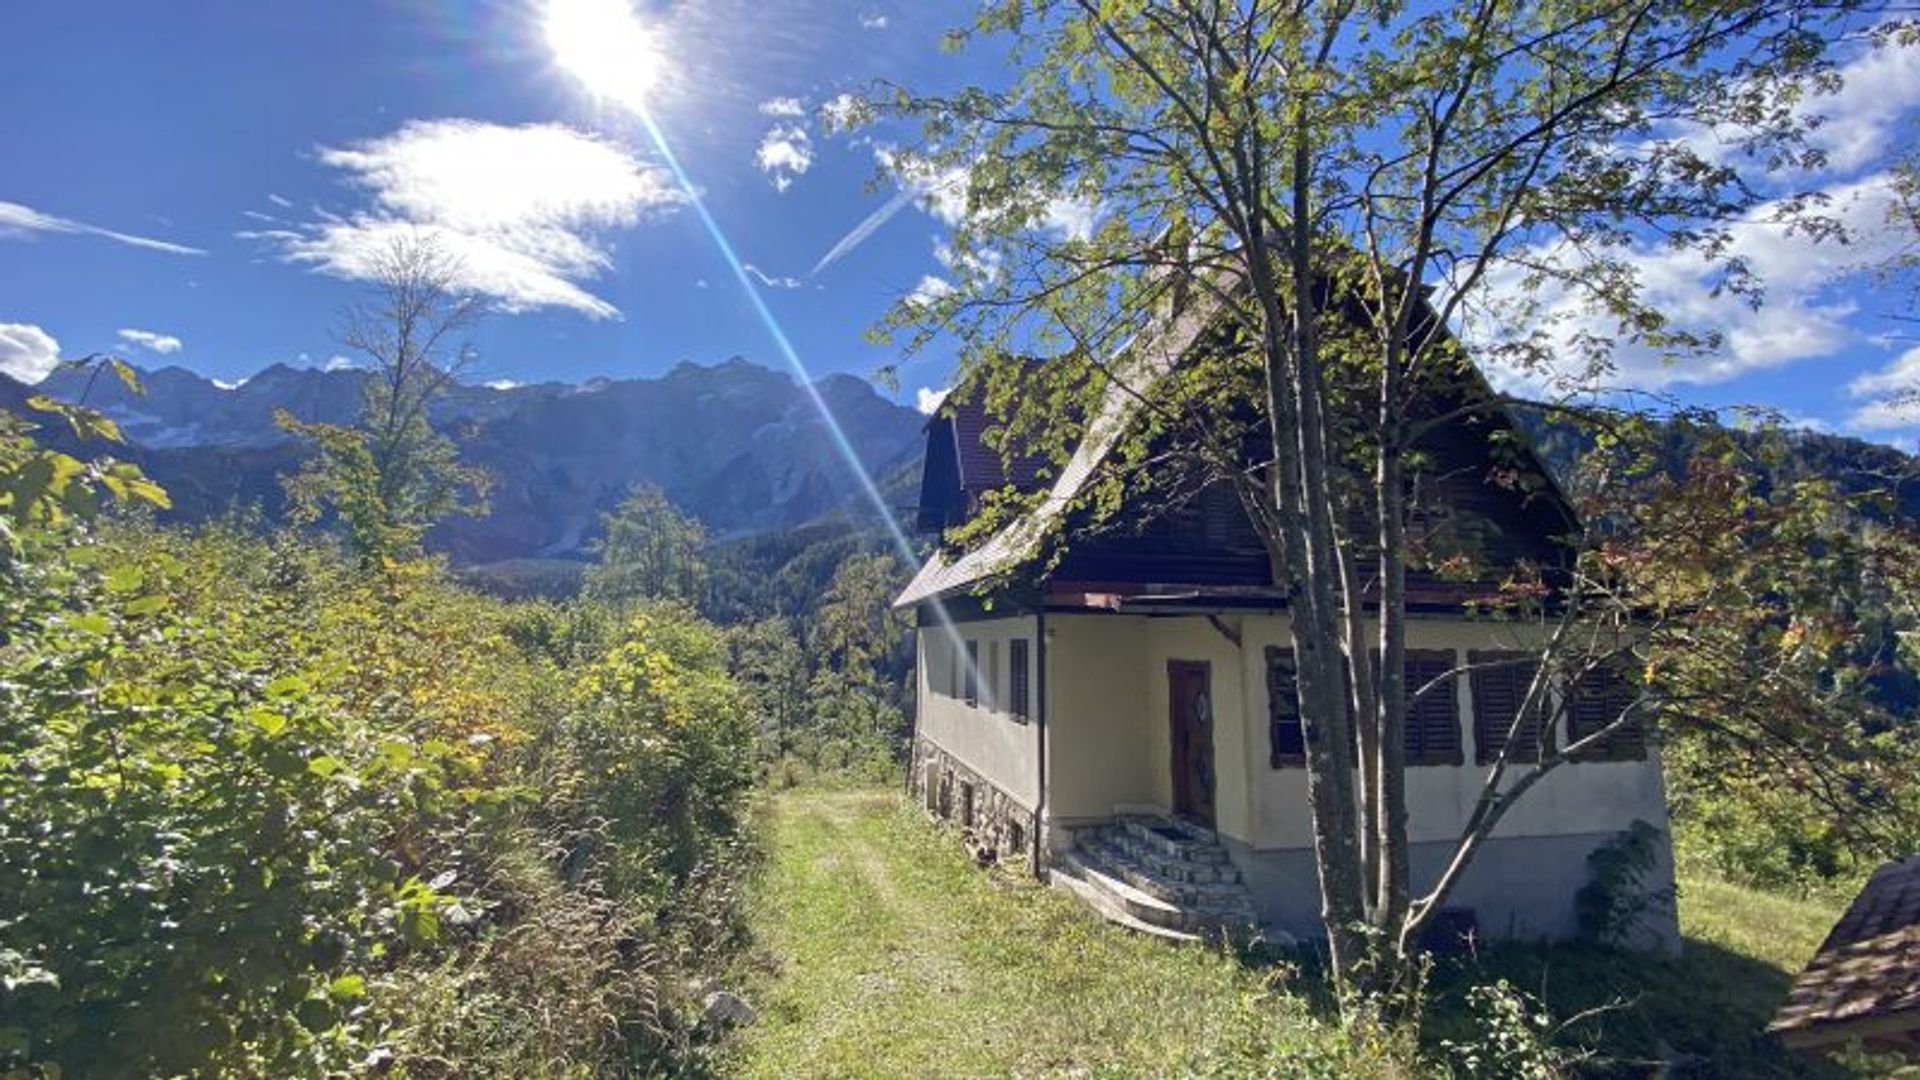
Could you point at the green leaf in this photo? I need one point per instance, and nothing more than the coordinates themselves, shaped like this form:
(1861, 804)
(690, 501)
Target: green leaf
(268, 721)
(348, 988)
(149, 605)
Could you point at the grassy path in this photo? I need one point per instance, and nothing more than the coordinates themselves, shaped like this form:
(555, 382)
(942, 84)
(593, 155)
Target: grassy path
(888, 954)
(896, 958)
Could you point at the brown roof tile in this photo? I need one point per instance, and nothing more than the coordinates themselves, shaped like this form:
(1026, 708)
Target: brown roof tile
(1864, 982)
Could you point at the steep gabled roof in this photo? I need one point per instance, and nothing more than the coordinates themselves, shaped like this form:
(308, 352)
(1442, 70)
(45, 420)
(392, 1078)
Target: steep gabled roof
(1140, 364)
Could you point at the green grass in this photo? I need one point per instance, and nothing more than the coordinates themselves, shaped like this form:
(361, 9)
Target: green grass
(887, 954)
(884, 952)
(1706, 1009)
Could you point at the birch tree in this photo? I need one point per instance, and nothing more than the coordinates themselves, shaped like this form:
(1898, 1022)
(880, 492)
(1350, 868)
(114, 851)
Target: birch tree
(1342, 187)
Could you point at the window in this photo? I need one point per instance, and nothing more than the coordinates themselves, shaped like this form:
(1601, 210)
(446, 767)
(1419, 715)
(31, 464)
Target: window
(990, 683)
(1286, 733)
(1019, 696)
(1498, 689)
(972, 673)
(1433, 720)
(1596, 700)
(1287, 740)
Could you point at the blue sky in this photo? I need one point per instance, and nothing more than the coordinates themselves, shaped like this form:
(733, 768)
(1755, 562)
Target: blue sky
(242, 130)
(199, 189)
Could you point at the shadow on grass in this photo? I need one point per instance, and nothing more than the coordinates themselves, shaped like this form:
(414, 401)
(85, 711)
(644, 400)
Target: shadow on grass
(1702, 1014)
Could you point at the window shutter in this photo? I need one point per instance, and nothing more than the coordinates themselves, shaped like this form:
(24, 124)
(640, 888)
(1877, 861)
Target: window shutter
(1497, 693)
(1287, 740)
(1018, 695)
(972, 673)
(1433, 721)
(1596, 700)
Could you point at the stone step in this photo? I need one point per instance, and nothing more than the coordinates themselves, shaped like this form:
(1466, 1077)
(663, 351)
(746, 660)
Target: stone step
(1117, 893)
(1066, 874)
(1161, 873)
(1173, 839)
(1160, 864)
(1148, 879)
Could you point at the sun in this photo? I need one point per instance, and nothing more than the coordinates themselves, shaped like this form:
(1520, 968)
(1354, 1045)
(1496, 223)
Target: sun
(606, 46)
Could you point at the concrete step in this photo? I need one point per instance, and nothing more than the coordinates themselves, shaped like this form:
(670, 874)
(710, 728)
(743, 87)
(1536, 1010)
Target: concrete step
(1162, 874)
(1115, 900)
(1173, 839)
(1214, 892)
(1160, 864)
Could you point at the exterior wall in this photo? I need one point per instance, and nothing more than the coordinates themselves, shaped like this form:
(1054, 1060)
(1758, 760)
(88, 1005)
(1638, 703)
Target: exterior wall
(984, 737)
(1108, 746)
(994, 820)
(1101, 749)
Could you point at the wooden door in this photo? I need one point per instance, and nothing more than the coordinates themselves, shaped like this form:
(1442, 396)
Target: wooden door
(1190, 720)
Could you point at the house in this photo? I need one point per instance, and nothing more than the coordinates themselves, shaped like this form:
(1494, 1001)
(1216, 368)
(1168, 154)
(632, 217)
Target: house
(1863, 985)
(1117, 706)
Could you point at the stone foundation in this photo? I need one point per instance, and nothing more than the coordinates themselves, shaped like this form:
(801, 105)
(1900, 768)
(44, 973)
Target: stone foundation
(989, 818)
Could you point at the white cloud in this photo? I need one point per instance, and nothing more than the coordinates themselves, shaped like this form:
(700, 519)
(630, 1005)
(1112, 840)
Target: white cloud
(1902, 376)
(225, 385)
(18, 220)
(27, 352)
(1805, 313)
(874, 20)
(522, 210)
(841, 112)
(787, 107)
(927, 399)
(770, 280)
(928, 290)
(785, 153)
(280, 201)
(501, 384)
(164, 344)
(336, 362)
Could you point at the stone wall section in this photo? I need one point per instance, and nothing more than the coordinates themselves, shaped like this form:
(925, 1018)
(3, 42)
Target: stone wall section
(993, 824)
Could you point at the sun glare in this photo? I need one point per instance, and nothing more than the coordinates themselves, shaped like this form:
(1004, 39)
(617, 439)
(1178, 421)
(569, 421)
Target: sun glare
(606, 46)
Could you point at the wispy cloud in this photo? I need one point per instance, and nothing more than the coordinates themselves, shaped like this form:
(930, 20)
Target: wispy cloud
(164, 344)
(771, 281)
(280, 201)
(17, 220)
(943, 194)
(524, 210)
(874, 20)
(868, 226)
(785, 153)
(785, 107)
(27, 352)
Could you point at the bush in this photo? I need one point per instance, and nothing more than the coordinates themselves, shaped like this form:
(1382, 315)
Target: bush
(262, 813)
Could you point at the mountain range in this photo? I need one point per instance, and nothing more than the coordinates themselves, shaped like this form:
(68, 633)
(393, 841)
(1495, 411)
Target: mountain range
(739, 446)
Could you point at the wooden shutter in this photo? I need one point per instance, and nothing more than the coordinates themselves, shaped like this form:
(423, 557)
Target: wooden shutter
(972, 673)
(1433, 721)
(1596, 700)
(1018, 694)
(1287, 740)
(1498, 691)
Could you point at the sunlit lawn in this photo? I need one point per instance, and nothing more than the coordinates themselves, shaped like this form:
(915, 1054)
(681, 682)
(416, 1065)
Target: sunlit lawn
(884, 952)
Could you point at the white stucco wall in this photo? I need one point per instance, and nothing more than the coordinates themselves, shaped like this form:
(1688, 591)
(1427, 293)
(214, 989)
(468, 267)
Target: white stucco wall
(1109, 743)
(1100, 746)
(1576, 798)
(985, 736)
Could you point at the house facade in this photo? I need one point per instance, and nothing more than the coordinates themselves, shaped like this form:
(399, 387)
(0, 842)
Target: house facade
(1126, 719)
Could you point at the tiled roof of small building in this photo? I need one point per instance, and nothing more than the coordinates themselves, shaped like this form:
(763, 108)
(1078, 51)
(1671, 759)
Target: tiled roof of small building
(1865, 980)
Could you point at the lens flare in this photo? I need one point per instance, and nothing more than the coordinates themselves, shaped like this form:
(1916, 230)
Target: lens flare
(617, 58)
